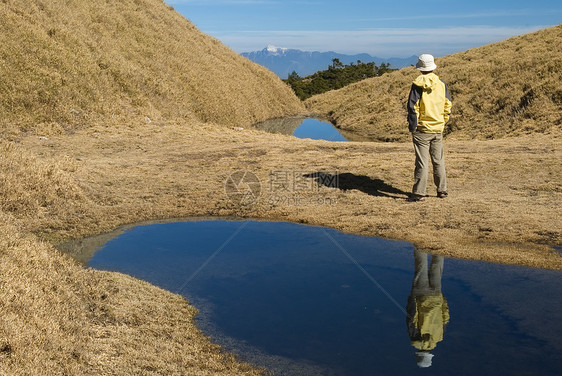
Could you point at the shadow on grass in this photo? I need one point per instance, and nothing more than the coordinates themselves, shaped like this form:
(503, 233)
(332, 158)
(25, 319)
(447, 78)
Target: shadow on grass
(347, 181)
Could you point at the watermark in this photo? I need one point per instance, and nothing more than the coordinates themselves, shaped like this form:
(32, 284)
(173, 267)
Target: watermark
(283, 187)
(292, 181)
(243, 188)
(297, 200)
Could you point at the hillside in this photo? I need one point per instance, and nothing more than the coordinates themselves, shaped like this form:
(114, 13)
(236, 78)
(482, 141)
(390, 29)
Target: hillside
(509, 88)
(70, 64)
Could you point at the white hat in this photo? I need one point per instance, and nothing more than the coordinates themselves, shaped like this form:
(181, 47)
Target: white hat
(424, 359)
(426, 63)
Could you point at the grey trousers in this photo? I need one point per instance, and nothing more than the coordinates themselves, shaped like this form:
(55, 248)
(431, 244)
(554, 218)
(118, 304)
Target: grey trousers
(426, 145)
(427, 280)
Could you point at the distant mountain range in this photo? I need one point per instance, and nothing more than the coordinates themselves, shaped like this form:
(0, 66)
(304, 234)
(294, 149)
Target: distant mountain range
(283, 61)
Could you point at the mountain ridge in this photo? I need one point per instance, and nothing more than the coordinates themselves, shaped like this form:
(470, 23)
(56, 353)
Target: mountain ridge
(283, 61)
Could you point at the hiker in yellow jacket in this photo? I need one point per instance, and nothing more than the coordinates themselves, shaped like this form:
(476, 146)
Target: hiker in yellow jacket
(429, 107)
(427, 310)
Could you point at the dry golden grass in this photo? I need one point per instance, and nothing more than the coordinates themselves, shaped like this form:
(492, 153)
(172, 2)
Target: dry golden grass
(134, 173)
(87, 73)
(70, 64)
(175, 171)
(38, 191)
(504, 89)
(59, 318)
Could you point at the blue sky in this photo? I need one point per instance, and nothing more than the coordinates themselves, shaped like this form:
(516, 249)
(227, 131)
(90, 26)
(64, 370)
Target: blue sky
(392, 28)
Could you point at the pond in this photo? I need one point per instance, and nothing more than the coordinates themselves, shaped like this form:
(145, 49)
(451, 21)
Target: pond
(306, 300)
(303, 128)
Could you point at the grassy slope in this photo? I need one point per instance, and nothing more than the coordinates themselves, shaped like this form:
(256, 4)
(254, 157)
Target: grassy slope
(508, 88)
(68, 64)
(71, 65)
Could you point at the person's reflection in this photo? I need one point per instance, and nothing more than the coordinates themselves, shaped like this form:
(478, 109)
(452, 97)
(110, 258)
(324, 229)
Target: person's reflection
(427, 309)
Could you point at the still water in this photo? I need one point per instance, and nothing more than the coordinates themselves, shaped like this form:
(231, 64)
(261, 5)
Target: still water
(305, 300)
(303, 128)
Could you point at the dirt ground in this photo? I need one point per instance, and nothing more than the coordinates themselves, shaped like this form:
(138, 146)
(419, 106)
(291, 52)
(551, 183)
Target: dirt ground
(504, 203)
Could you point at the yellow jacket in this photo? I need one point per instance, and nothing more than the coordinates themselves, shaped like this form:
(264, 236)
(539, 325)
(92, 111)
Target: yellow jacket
(429, 104)
(427, 325)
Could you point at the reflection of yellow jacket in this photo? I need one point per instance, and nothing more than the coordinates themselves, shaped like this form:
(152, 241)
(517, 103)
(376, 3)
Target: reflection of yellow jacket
(429, 104)
(432, 314)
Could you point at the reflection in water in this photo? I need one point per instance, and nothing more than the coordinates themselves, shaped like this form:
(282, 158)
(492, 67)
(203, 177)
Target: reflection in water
(427, 309)
(282, 125)
(285, 297)
(318, 130)
(305, 128)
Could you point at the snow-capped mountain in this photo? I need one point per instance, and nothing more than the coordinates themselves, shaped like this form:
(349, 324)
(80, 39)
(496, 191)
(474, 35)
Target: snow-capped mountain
(272, 50)
(283, 61)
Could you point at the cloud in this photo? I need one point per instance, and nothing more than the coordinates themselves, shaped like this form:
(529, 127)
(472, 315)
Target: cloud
(383, 42)
(494, 14)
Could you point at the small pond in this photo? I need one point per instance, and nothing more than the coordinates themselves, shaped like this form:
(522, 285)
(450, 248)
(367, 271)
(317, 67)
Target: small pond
(303, 128)
(306, 300)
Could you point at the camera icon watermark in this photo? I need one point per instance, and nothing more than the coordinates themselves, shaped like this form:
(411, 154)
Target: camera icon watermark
(284, 187)
(243, 188)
